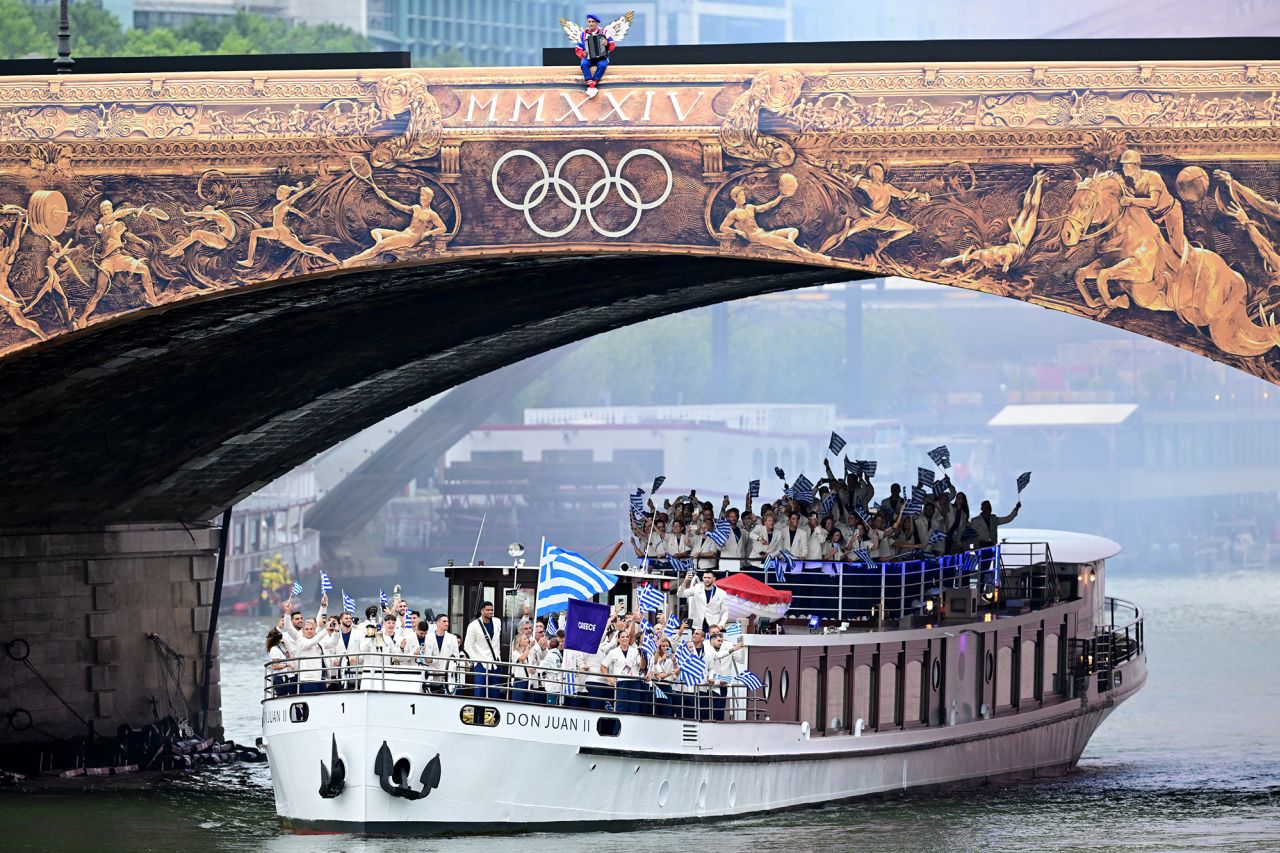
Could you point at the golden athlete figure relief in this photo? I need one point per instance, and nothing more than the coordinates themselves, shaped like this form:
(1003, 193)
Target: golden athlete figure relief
(741, 221)
(877, 216)
(11, 233)
(1007, 256)
(279, 231)
(114, 258)
(219, 239)
(424, 223)
(59, 261)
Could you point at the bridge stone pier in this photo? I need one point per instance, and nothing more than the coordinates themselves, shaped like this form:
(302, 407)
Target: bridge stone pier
(207, 278)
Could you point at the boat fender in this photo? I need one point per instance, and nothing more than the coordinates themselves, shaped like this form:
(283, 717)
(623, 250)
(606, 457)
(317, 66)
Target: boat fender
(384, 765)
(954, 713)
(857, 727)
(804, 730)
(333, 782)
(985, 711)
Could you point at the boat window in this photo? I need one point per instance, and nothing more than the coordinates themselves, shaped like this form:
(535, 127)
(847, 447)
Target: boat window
(1004, 677)
(862, 694)
(608, 727)
(888, 708)
(912, 708)
(809, 697)
(768, 683)
(784, 685)
(836, 694)
(1050, 663)
(1027, 672)
(989, 666)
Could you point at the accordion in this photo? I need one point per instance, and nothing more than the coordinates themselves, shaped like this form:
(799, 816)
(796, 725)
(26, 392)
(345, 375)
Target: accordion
(597, 46)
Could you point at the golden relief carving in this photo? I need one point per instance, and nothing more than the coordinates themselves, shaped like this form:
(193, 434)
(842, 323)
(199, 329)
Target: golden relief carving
(1141, 196)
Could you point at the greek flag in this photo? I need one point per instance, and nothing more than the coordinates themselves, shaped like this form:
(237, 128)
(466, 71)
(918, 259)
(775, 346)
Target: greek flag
(552, 628)
(325, 585)
(940, 486)
(925, 476)
(803, 490)
(348, 603)
(781, 563)
(693, 669)
(753, 488)
(1023, 481)
(678, 565)
(297, 588)
(969, 534)
(865, 556)
(918, 494)
(672, 627)
(637, 504)
(969, 561)
(382, 596)
(651, 598)
(913, 507)
(941, 456)
(850, 467)
(658, 692)
(782, 475)
(733, 629)
(937, 536)
(827, 503)
(837, 443)
(749, 680)
(564, 575)
(657, 484)
(861, 512)
(720, 535)
(570, 684)
(868, 468)
(649, 644)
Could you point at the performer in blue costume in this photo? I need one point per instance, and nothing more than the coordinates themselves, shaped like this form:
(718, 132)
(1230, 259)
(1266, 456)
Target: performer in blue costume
(593, 68)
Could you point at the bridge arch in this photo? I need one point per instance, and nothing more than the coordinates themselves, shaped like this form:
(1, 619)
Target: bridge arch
(175, 251)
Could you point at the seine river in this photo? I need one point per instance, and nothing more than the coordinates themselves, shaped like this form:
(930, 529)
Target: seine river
(1191, 763)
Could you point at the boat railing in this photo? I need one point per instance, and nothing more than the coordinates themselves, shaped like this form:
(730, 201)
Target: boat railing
(1117, 639)
(454, 678)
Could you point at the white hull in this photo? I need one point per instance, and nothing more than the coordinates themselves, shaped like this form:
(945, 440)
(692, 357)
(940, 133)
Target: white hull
(545, 767)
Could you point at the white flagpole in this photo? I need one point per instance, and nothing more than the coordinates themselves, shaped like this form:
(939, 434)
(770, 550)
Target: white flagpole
(542, 549)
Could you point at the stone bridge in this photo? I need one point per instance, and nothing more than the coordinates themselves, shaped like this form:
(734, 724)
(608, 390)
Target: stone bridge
(207, 278)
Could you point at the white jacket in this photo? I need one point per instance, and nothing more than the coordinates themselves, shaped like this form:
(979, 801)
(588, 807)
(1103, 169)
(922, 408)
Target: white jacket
(763, 545)
(436, 658)
(815, 539)
(479, 646)
(713, 612)
(310, 654)
(798, 544)
(700, 543)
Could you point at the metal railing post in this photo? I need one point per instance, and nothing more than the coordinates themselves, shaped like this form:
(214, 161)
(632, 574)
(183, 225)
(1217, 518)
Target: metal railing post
(881, 611)
(839, 567)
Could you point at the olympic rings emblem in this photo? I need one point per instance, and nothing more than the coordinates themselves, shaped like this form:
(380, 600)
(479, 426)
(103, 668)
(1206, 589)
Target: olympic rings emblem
(568, 194)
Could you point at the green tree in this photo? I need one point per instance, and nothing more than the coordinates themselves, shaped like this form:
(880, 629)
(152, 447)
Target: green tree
(159, 42)
(94, 31)
(18, 36)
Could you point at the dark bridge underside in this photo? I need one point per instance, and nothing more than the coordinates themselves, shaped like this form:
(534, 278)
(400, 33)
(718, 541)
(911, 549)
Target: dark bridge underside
(176, 413)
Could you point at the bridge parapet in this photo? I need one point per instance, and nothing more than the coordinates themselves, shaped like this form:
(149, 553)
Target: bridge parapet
(127, 193)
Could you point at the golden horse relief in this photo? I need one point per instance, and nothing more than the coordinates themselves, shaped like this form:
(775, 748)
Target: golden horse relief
(1086, 188)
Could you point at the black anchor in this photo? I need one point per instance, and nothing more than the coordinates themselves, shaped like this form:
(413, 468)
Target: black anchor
(384, 766)
(331, 784)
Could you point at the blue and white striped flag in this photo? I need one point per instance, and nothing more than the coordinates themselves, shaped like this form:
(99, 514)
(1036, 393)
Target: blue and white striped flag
(651, 598)
(913, 507)
(637, 504)
(657, 484)
(850, 467)
(969, 534)
(803, 490)
(570, 685)
(780, 563)
(865, 556)
(828, 502)
(382, 596)
(649, 644)
(868, 467)
(861, 512)
(753, 488)
(837, 443)
(552, 628)
(720, 534)
(749, 680)
(940, 487)
(325, 585)
(348, 603)
(297, 588)
(1023, 481)
(678, 565)
(658, 692)
(672, 627)
(925, 476)
(941, 456)
(733, 629)
(919, 493)
(937, 536)
(564, 575)
(693, 669)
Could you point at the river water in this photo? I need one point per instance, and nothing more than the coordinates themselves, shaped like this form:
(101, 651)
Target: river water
(1191, 763)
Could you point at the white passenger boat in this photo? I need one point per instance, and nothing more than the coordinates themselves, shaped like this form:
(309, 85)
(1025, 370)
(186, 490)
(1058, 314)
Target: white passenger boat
(995, 665)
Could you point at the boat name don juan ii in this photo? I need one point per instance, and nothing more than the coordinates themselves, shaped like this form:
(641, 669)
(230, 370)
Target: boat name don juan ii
(828, 682)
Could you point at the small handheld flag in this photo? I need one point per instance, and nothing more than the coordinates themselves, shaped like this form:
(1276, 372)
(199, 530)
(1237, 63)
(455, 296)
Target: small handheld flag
(918, 494)
(720, 535)
(913, 507)
(753, 488)
(837, 443)
(782, 475)
(925, 476)
(659, 693)
(657, 484)
(937, 536)
(941, 456)
(348, 603)
(827, 503)
(552, 628)
(297, 589)
(570, 685)
(672, 627)
(865, 556)
(850, 467)
(637, 504)
(940, 486)
(649, 644)
(749, 680)
(733, 629)
(781, 563)
(382, 596)
(803, 490)
(651, 598)
(1023, 481)
(679, 566)
(693, 669)
(325, 585)
(862, 514)
(866, 467)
